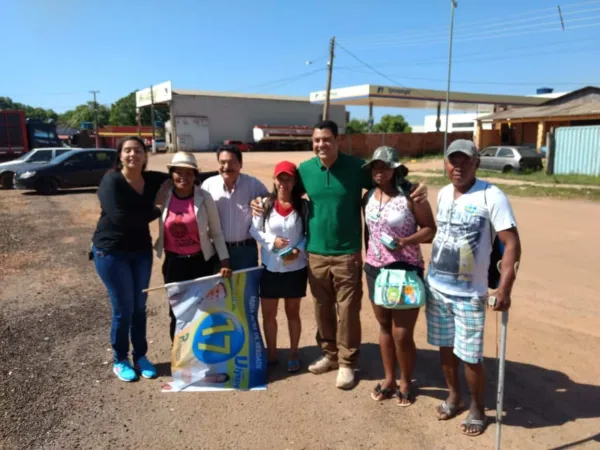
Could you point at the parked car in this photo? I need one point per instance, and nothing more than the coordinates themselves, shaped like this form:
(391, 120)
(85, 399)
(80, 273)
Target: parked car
(26, 161)
(510, 158)
(74, 169)
(161, 144)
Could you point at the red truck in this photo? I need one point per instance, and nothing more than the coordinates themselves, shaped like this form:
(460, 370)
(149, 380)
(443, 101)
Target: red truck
(18, 135)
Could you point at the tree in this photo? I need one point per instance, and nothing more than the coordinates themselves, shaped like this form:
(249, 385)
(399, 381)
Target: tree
(84, 113)
(123, 113)
(392, 124)
(30, 111)
(356, 126)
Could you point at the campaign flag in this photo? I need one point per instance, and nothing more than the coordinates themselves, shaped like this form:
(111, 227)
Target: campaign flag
(217, 345)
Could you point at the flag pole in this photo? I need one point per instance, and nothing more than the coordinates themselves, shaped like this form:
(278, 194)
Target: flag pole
(210, 277)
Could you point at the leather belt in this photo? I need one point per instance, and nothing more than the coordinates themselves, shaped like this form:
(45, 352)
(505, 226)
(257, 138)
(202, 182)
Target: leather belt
(177, 255)
(244, 243)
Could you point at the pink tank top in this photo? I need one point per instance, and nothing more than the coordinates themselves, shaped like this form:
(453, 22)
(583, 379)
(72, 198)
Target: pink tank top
(395, 219)
(181, 227)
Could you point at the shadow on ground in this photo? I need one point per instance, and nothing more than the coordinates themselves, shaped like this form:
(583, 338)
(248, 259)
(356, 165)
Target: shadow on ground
(62, 192)
(534, 397)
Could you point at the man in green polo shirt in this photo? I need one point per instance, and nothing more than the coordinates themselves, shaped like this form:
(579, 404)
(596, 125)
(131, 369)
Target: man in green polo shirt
(334, 183)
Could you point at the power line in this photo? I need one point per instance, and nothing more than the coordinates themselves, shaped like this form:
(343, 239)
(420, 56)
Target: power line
(282, 81)
(427, 38)
(479, 37)
(368, 65)
(443, 59)
(486, 23)
(467, 58)
(502, 83)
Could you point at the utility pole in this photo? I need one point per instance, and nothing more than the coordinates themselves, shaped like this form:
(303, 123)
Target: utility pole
(96, 117)
(329, 74)
(152, 118)
(453, 5)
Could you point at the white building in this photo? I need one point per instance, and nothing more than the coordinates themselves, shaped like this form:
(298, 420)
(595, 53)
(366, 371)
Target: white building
(205, 119)
(467, 121)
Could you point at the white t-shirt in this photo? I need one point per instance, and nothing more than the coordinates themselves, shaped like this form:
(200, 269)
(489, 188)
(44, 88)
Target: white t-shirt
(460, 256)
(289, 227)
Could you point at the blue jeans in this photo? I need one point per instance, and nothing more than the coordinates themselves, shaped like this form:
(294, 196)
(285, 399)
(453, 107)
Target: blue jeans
(125, 275)
(243, 257)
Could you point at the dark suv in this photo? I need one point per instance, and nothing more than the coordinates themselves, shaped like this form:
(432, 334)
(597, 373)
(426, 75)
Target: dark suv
(74, 169)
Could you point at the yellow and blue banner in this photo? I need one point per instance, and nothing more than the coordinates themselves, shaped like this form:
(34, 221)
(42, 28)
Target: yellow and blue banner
(218, 344)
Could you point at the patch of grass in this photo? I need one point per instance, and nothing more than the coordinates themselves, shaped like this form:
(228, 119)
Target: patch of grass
(537, 177)
(541, 177)
(533, 191)
(428, 157)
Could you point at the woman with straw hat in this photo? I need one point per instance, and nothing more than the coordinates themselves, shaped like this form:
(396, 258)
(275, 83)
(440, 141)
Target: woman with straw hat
(190, 229)
(394, 228)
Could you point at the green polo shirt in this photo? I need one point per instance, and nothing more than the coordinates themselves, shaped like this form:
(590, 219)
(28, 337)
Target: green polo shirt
(334, 222)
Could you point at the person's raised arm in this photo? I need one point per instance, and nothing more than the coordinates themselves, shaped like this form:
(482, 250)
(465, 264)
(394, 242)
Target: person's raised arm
(264, 238)
(426, 222)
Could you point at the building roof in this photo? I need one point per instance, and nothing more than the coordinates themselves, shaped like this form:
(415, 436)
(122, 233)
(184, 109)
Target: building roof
(240, 95)
(407, 97)
(66, 131)
(582, 102)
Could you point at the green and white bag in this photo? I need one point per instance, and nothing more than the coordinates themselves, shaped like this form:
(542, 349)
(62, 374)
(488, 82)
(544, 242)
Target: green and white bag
(399, 289)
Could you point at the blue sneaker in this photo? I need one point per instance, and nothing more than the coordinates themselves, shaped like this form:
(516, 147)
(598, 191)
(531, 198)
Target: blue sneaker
(145, 368)
(124, 371)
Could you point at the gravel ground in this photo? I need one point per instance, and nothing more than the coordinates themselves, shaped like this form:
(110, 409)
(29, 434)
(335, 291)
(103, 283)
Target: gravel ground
(57, 390)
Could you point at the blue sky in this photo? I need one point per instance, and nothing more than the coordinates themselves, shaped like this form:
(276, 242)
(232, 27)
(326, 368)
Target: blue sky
(62, 49)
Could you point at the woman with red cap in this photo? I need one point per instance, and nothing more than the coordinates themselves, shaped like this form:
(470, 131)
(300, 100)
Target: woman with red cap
(280, 230)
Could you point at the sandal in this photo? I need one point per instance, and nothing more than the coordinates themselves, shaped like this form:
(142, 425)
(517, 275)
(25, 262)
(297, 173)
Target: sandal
(447, 411)
(293, 365)
(469, 423)
(380, 394)
(408, 397)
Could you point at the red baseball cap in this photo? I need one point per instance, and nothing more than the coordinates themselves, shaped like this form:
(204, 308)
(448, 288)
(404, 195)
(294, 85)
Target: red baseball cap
(285, 167)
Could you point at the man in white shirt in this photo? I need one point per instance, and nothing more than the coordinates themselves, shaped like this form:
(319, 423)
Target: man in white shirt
(232, 192)
(470, 214)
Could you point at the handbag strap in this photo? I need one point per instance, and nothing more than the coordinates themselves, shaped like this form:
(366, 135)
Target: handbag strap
(385, 290)
(489, 213)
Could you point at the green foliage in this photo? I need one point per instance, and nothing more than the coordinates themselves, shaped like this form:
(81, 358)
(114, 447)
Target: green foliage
(84, 113)
(356, 126)
(387, 124)
(392, 124)
(30, 111)
(123, 113)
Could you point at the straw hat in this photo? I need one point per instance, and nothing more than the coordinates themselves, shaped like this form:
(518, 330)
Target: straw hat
(183, 159)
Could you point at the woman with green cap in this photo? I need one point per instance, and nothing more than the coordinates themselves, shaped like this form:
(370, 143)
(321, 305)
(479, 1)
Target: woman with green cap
(394, 228)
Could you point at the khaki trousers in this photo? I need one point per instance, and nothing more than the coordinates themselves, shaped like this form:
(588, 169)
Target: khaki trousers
(336, 285)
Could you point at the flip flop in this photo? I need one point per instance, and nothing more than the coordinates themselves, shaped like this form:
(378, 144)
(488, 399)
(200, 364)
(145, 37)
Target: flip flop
(449, 410)
(472, 422)
(380, 394)
(293, 365)
(409, 396)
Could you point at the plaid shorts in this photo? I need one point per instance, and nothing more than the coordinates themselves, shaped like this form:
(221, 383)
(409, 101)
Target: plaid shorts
(458, 322)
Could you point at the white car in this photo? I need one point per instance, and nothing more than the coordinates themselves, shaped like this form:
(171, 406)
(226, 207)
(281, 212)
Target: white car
(35, 156)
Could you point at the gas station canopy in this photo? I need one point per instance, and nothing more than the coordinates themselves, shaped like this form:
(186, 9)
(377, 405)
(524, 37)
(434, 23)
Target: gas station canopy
(406, 97)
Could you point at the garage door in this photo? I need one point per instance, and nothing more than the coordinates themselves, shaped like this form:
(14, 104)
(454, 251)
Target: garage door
(193, 134)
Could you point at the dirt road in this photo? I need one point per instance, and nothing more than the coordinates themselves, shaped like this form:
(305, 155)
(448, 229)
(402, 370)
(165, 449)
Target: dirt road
(57, 390)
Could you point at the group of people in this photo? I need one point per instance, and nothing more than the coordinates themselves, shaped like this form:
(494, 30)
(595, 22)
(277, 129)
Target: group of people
(214, 226)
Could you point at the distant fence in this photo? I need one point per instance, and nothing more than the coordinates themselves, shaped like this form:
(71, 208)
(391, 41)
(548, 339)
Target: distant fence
(575, 150)
(407, 144)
